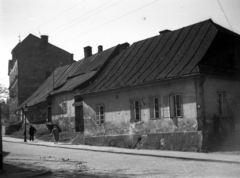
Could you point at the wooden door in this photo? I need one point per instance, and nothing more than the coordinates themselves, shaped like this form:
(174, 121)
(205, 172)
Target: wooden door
(79, 120)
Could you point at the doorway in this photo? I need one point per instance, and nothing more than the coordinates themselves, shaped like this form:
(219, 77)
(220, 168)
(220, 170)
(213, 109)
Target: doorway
(79, 120)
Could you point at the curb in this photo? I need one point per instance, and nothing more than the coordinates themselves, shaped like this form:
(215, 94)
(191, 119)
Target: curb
(37, 173)
(131, 153)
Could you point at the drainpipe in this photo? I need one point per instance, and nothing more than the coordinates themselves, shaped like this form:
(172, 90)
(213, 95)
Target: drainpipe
(203, 80)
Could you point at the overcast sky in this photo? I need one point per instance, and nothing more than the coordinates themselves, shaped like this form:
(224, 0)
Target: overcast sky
(74, 24)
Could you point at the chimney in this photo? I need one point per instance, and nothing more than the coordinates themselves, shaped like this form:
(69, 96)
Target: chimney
(100, 48)
(123, 47)
(87, 51)
(164, 31)
(44, 39)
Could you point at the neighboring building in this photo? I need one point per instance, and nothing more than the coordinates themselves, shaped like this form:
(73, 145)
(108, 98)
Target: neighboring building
(164, 92)
(32, 62)
(53, 100)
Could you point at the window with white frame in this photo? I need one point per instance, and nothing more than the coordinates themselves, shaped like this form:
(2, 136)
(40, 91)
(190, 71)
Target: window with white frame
(100, 114)
(176, 105)
(222, 104)
(154, 106)
(137, 110)
(64, 107)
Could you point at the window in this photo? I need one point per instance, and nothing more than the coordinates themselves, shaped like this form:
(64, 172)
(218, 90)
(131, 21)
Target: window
(64, 107)
(100, 114)
(154, 106)
(137, 110)
(176, 105)
(222, 104)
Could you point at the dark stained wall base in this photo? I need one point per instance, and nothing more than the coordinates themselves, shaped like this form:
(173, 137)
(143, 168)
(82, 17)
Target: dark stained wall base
(177, 141)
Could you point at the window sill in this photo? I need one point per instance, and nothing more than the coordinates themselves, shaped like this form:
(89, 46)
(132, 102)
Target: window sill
(136, 121)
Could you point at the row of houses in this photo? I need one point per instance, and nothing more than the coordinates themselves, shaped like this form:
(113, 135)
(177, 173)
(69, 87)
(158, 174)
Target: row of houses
(158, 93)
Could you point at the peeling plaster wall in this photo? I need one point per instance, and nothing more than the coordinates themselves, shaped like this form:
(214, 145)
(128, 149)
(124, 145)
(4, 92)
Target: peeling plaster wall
(66, 121)
(117, 110)
(232, 89)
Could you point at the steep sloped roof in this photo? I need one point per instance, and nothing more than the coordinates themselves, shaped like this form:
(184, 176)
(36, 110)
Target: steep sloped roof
(70, 76)
(45, 89)
(169, 55)
(31, 40)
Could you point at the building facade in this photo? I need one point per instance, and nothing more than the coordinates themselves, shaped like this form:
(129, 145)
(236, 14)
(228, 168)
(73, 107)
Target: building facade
(33, 60)
(166, 91)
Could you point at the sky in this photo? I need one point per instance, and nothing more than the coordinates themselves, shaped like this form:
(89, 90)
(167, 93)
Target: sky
(75, 24)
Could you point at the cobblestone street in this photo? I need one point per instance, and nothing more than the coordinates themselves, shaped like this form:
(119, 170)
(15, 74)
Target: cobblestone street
(78, 163)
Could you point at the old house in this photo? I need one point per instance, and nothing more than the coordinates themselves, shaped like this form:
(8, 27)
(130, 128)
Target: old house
(32, 62)
(53, 100)
(164, 92)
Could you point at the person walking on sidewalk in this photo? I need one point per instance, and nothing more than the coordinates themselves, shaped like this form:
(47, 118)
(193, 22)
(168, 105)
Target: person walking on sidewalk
(55, 134)
(32, 131)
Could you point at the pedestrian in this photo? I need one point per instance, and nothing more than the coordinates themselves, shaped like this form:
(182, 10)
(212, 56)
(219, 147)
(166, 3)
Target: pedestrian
(32, 131)
(55, 134)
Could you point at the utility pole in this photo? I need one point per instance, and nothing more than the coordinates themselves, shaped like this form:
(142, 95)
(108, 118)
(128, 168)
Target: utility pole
(25, 124)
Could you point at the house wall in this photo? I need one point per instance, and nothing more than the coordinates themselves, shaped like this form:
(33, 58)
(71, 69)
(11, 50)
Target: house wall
(33, 70)
(64, 117)
(37, 114)
(117, 110)
(232, 89)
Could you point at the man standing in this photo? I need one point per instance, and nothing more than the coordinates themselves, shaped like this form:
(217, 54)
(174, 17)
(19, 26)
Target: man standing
(32, 131)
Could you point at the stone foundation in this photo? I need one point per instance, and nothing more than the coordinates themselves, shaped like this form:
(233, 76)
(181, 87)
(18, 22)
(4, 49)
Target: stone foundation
(177, 141)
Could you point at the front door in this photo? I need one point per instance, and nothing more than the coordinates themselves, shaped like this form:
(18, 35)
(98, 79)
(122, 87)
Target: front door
(79, 121)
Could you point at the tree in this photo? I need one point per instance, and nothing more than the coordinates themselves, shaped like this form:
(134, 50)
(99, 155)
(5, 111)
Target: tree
(4, 94)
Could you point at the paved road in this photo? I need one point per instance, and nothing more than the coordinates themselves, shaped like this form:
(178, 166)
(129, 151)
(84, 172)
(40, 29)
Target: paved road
(78, 163)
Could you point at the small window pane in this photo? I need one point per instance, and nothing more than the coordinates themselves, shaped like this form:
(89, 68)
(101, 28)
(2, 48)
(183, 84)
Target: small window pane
(156, 108)
(99, 114)
(137, 110)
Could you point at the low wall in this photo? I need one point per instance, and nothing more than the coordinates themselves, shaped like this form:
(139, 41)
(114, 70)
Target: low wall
(178, 141)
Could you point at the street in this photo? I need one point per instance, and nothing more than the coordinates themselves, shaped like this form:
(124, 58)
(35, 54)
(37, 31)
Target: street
(64, 162)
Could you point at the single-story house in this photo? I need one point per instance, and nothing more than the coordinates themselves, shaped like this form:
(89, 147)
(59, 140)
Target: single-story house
(165, 91)
(52, 102)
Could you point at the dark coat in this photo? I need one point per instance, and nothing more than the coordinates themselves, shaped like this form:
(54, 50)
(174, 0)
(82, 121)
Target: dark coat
(32, 130)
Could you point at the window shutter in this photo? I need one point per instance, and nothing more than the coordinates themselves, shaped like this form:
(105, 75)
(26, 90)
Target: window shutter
(151, 105)
(166, 112)
(132, 118)
(172, 106)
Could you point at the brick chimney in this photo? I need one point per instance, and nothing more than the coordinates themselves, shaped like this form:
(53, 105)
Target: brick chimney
(164, 31)
(87, 51)
(100, 48)
(44, 39)
(123, 47)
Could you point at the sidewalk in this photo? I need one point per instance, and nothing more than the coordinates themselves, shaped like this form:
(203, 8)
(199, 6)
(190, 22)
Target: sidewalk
(212, 157)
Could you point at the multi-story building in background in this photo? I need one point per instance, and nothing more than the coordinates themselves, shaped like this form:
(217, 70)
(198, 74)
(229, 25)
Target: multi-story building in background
(33, 60)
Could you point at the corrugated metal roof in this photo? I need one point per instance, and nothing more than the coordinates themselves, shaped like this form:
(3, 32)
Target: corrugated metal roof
(172, 54)
(74, 82)
(82, 72)
(69, 76)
